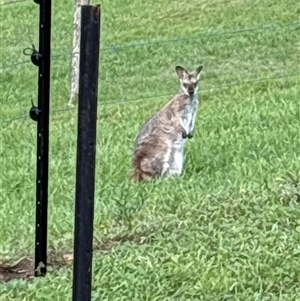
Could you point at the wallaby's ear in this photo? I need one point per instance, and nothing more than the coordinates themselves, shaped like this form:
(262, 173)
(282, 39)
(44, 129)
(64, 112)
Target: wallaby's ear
(180, 71)
(198, 70)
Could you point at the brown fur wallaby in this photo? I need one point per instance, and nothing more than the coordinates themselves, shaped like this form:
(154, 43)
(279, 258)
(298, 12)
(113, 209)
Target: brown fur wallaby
(159, 146)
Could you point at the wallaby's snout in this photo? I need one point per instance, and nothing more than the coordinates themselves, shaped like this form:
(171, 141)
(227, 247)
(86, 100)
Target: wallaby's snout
(191, 90)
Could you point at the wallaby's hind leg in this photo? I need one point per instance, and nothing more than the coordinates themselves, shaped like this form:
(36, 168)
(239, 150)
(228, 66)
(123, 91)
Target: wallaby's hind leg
(155, 168)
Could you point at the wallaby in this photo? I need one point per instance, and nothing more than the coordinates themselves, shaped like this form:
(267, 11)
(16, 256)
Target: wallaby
(159, 146)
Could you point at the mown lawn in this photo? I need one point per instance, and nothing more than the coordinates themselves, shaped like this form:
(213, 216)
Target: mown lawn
(229, 227)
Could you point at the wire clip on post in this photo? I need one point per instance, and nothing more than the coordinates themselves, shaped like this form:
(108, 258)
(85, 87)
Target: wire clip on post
(34, 112)
(35, 56)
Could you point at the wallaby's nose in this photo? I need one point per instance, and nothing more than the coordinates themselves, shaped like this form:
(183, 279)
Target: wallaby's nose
(191, 90)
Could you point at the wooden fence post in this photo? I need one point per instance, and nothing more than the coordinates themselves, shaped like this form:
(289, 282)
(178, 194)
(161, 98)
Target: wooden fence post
(76, 51)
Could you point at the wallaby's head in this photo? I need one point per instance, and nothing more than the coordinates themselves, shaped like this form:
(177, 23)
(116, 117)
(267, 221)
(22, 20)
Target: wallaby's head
(188, 80)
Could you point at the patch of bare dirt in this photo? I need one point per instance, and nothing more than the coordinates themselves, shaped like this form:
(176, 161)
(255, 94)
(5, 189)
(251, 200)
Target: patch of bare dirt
(23, 269)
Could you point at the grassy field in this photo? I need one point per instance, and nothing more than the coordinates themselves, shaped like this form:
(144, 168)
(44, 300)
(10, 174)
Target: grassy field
(229, 228)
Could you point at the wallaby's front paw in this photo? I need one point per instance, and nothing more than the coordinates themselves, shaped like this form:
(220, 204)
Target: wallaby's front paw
(190, 135)
(184, 135)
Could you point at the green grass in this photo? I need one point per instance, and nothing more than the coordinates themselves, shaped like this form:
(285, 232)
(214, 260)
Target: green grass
(229, 227)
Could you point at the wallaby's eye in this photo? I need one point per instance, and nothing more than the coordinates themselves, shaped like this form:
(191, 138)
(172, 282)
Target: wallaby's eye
(185, 85)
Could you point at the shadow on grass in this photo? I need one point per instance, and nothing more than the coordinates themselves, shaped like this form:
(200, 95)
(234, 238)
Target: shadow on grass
(23, 268)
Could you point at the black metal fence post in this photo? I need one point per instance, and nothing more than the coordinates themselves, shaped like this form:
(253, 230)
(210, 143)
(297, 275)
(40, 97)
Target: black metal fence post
(86, 152)
(40, 114)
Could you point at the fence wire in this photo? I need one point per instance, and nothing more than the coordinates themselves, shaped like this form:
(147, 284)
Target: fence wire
(13, 2)
(210, 34)
(173, 40)
(122, 101)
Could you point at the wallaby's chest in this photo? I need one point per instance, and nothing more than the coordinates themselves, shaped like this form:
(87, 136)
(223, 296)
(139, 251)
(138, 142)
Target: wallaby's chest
(189, 112)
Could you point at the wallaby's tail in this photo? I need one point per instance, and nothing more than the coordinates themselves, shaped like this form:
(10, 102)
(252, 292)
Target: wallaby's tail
(140, 175)
(136, 175)
(138, 172)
